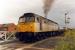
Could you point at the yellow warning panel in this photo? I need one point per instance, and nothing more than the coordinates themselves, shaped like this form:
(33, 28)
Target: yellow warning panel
(26, 27)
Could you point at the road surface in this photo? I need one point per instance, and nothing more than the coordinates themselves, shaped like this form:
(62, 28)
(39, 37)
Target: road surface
(46, 44)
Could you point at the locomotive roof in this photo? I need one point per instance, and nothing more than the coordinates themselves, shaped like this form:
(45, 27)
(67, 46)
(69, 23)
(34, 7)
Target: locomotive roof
(33, 15)
(49, 20)
(28, 15)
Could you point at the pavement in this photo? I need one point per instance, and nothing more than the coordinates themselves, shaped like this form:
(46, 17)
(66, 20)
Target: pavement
(46, 44)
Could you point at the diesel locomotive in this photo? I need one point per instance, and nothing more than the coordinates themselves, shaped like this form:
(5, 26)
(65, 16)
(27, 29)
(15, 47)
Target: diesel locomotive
(32, 27)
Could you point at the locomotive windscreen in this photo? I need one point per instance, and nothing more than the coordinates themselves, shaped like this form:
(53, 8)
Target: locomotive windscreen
(28, 17)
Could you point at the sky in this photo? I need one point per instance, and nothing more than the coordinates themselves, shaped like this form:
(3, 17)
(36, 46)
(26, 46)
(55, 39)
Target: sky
(11, 10)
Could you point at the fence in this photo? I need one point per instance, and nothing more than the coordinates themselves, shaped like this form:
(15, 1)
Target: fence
(5, 35)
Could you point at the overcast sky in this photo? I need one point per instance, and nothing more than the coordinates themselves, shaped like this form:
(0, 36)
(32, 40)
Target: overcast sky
(11, 10)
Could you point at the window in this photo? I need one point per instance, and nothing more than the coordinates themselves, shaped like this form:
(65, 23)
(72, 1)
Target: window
(27, 19)
(30, 19)
(22, 20)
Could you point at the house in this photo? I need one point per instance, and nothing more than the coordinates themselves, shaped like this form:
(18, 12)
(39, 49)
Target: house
(8, 27)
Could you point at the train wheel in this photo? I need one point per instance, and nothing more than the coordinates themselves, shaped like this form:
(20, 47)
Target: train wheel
(38, 37)
(48, 34)
(44, 35)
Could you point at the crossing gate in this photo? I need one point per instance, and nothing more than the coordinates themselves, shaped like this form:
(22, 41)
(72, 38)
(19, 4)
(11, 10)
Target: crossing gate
(5, 35)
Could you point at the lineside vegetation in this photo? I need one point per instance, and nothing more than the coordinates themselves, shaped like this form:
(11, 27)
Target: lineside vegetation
(68, 41)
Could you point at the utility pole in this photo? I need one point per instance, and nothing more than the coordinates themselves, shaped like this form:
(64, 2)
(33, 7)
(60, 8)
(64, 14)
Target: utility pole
(66, 20)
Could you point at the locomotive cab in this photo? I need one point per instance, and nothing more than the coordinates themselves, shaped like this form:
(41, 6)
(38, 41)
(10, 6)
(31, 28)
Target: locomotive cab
(26, 23)
(26, 27)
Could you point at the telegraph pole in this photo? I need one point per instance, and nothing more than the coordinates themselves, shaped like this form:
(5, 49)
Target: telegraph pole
(67, 20)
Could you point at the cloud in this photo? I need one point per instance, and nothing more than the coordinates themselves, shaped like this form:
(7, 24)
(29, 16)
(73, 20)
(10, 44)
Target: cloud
(11, 10)
(59, 9)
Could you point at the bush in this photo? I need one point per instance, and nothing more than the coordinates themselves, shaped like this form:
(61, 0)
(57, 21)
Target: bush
(67, 42)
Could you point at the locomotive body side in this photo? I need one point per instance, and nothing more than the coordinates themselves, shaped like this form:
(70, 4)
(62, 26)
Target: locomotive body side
(45, 25)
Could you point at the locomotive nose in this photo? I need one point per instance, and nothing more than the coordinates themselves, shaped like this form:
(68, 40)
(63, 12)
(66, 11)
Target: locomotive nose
(29, 27)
